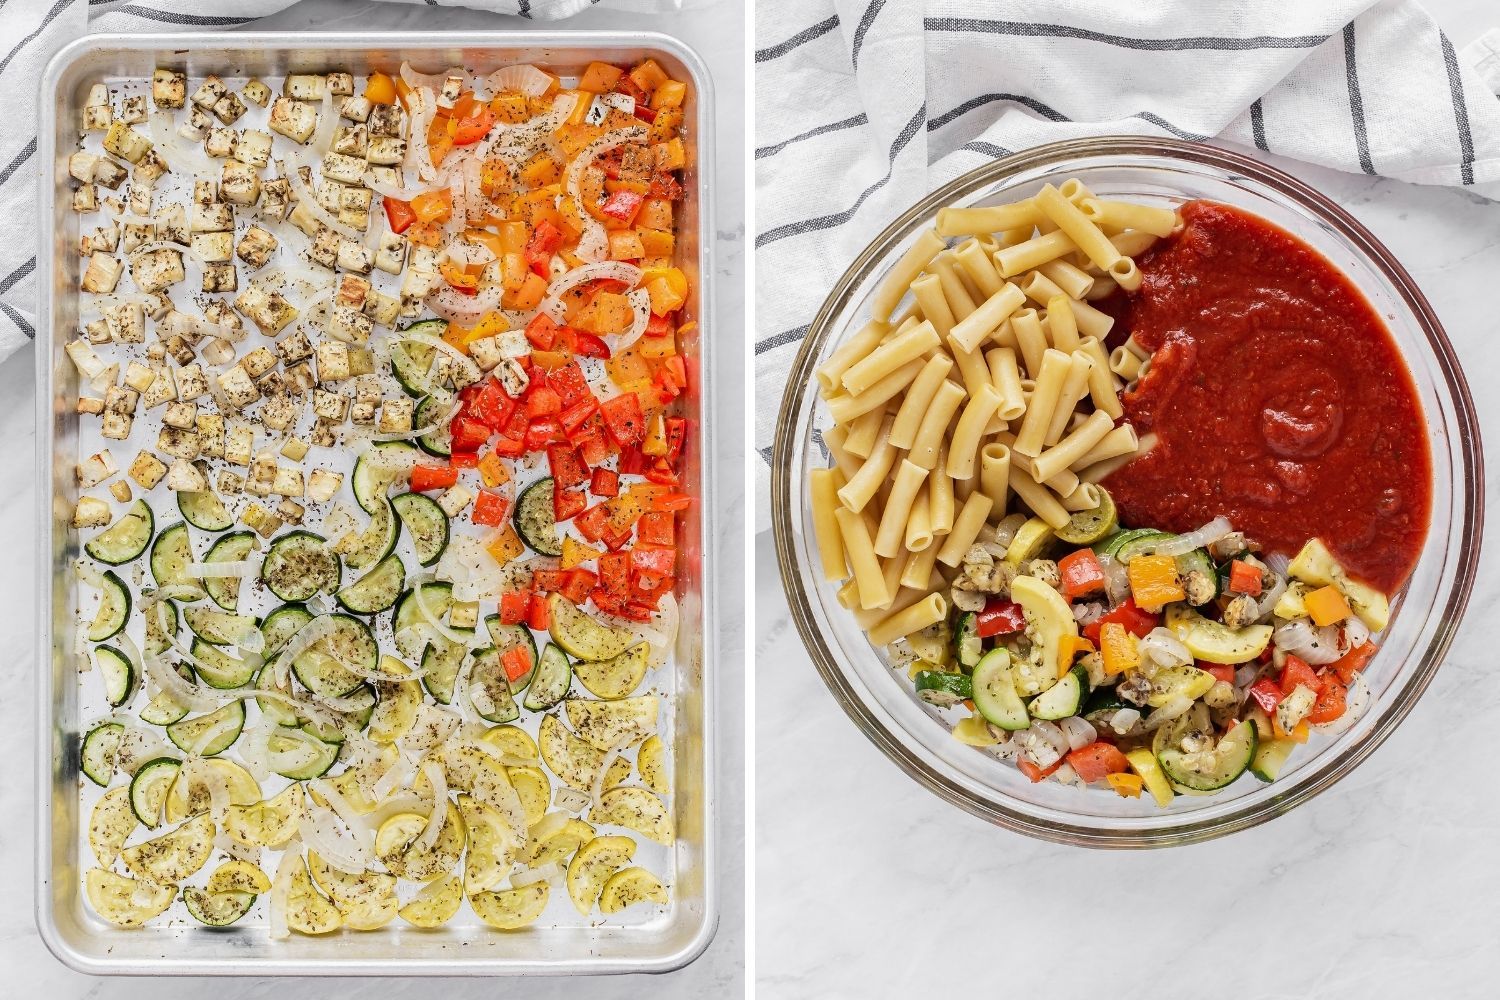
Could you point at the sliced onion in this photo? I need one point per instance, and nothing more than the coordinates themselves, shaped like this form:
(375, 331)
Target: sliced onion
(320, 831)
(1278, 563)
(593, 243)
(1202, 538)
(596, 790)
(328, 120)
(465, 310)
(469, 254)
(213, 570)
(570, 799)
(217, 351)
(544, 873)
(640, 305)
(1356, 632)
(422, 107)
(1116, 578)
(430, 618)
(137, 746)
(520, 77)
(306, 197)
(1177, 707)
(195, 327)
(595, 149)
(174, 150)
(461, 360)
(1079, 732)
(439, 779)
(281, 889)
(533, 132)
(612, 270)
(299, 642)
(433, 81)
(1271, 598)
(1124, 720)
(386, 190)
(1302, 639)
(1164, 648)
(551, 823)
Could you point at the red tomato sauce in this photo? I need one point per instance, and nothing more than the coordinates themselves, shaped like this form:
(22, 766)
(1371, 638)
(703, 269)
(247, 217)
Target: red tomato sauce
(1278, 399)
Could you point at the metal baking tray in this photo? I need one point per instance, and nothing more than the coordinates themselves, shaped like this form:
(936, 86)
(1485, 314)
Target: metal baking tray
(669, 940)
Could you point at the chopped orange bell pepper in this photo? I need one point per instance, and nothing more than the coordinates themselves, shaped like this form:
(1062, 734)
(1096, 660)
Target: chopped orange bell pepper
(433, 206)
(600, 78)
(670, 94)
(1326, 606)
(380, 89)
(1118, 647)
(1068, 648)
(492, 470)
(1125, 785)
(1153, 582)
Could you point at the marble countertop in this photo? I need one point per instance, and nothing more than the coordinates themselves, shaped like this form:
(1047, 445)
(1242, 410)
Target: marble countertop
(869, 886)
(29, 969)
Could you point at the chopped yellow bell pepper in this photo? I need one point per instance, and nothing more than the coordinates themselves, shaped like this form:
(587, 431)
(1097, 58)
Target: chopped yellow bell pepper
(1299, 734)
(1143, 762)
(655, 442)
(1153, 582)
(1125, 785)
(1326, 606)
(575, 553)
(492, 470)
(1119, 649)
(505, 546)
(1068, 648)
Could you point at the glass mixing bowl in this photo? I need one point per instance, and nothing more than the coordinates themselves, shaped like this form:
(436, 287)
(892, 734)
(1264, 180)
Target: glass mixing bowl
(1426, 614)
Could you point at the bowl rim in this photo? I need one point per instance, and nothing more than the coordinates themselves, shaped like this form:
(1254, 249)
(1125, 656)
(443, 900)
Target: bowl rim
(1468, 483)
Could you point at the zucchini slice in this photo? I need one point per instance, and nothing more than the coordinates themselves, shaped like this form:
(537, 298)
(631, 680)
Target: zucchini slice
(410, 360)
(504, 638)
(301, 757)
(220, 628)
(942, 688)
(1270, 758)
(995, 692)
(616, 677)
(275, 709)
(1086, 527)
(376, 590)
(170, 555)
(162, 709)
(156, 640)
(149, 787)
(553, 678)
(298, 565)
(966, 641)
(439, 598)
(378, 539)
(118, 673)
(425, 524)
(437, 442)
(580, 635)
(372, 479)
(233, 547)
(321, 668)
(211, 734)
(100, 745)
(280, 625)
(204, 510)
(358, 717)
(217, 909)
(126, 539)
(489, 692)
(218, 669)
(442, 660)
(535, 518)
(1063, 699)
(1207, 772)
(114, 608)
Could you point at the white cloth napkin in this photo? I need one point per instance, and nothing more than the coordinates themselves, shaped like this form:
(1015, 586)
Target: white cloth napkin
(863, 106)
(32, 30)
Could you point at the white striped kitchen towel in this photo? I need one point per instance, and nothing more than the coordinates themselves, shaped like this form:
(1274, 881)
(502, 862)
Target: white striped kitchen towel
(32, 30)
(863, 106)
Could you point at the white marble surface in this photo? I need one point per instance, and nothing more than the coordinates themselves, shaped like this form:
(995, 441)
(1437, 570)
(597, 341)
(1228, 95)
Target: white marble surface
(28, 969)
(869, 886)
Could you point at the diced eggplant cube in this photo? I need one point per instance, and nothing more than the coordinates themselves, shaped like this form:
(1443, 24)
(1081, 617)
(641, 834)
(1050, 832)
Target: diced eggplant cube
(102, 274)
(348, 324)
(256, 92)
(288, 481)
(96, 469)
(108, 173)
(209, 92)
(120, 490)
(183, 416)
(220, 142)
(395, 415)
(305, 86)
(97, 118)
(126, 322)
(293, 119)
(168, 88)
(363, 413)
(139, 376)
(229, 109)
(351, 291)
(253, 148)
(116, 426)
(163, 389)
(355, 257)
(325, 247)
(333, 361)
(147, 470)
(350, 140)
(383, 309)
(255, 247)
(220, 277)
(185, 477)
(125, 142)
(385, 119)
(190, 383)
(215, 248)
(238, 387)
(239, 444)
(149, 169)
(86, 198)
(341, 168)
(356, 109)
(325, 433)
(215, 218)
(330, 405)
(454, 499)
(81, 166)
(238, 183)
(385, 150)
(258, 361)
(279, 412)
(133, 109)
(91, 512)
(154, 270)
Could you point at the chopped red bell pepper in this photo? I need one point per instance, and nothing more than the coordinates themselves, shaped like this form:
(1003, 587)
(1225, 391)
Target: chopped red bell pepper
(473, 127)
(1034, 773)
(1080, 573)
(1266, 694)
(614, 573)
(1298, 671)
(541, 332)
(668, 501)
(510, 447)
(1353, 661)
(632, 462)
(658, 326)
(651, 560)
(644, 112)
(578, 585)
(577, 414)
(592, 523)
(592, 445)
(516, 424)
(1221, 671)
(666, 388)
(567, 504)
(1136, 621)
(517, 662)
(490, 508)
(540, 431)
(657, 528)
(569, 383)
(665, 185)
(676, 435)
(623, 205)
(567, 470)
(623, 417)
(1096, 760)
(464, 459)
(1331, 703)
(1244, 578)
(432, 477)
(513, 607)
(542, 401)
(676, 369)
(662, 474)
(999, 617)
(537, 616)
(618, 541)
(545, 239)
(589, 345)
(548, 580)
(468, 433)
(399, 214)
(604, 483)
(490, 404)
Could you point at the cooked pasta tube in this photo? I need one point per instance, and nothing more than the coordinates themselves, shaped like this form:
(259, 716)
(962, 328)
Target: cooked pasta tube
(1040, 499)
(831, 372)
(919, 523)
(1125, 364)
(1134, 347)
(940, 496)
(1006, 378)
(1021, 257)
(893, 519)
(932, 430)
(825, 485)
(971, 367)
(1102, 389)
(918, 398)
(1038, 287)
(1073, 447)
(1133, 243)
(864, 484)
(983, 321)
(1074, 190)
(918, 568)
(847, 464)
(1075, 282)
(1129, 215)
(1031, 338)
(1125, 274)
(963, 446)
(973, 257)
(966, 525)
(994, 477)
(1092, 322)
(1120, 441)
(1088, 237)
(1060, 483)
(928, 290)
(868, 576)
(846, 408)
(1085, 496)
(1075, 387)
(986, 220)
(928, 611)
(1062, 328)
(1031, 438)
(912, 263)
(864, 432)
(848, 594)
(890, 356)
(904, 598)
(960, 299)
